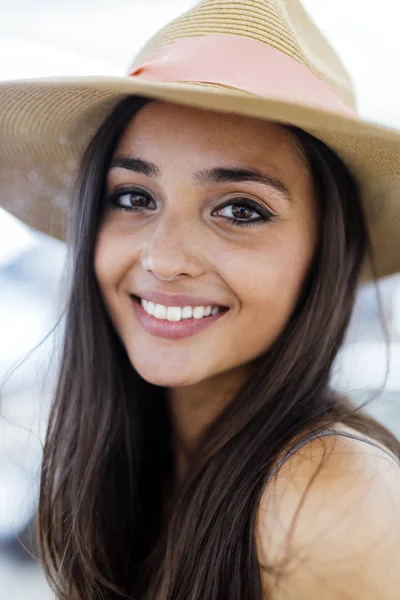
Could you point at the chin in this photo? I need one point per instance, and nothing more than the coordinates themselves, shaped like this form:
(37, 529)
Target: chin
(168, 380)
(168, 375)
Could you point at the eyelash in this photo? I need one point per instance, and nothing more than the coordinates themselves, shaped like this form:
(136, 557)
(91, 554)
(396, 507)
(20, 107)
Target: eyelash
(264, 215)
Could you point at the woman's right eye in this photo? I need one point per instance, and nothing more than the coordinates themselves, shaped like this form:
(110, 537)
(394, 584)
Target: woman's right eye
(132, 201)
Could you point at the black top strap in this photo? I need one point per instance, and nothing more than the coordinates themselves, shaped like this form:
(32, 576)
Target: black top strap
(324, 433)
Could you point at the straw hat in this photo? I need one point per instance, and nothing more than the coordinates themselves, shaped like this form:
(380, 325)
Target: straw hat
(260, 58)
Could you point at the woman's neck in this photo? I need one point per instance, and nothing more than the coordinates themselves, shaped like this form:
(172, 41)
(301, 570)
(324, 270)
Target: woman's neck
(194, 408)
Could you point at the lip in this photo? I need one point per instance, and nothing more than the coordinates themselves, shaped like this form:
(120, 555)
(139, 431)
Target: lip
(174, 330)
(179, 300)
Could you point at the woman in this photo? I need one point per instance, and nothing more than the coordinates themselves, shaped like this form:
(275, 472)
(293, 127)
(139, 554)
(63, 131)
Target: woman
(222, 219)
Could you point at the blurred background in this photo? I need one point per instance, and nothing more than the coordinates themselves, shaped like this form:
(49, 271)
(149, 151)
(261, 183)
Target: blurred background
(87, 37)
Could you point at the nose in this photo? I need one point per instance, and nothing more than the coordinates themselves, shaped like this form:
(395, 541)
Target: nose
(173, 250)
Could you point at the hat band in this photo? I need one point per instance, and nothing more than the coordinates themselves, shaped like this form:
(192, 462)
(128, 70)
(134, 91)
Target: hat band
(242, 63)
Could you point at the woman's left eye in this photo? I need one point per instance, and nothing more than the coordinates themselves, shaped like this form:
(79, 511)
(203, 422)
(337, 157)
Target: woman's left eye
(243, 212)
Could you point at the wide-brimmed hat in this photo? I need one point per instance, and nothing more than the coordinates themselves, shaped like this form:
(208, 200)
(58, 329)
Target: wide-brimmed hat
(259, 58)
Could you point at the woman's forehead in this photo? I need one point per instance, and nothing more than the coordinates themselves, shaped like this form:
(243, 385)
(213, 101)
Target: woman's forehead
(160, 129)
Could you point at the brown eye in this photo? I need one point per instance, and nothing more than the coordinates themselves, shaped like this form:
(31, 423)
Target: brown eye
(244, 212)
(132, 200)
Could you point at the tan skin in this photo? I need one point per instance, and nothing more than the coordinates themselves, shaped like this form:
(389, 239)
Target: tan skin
(181, 239)
(254, 270)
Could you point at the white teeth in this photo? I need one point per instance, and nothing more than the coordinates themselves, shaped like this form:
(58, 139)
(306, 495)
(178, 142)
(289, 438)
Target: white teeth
(198, 312)
(187, 312)
(160, 312)
(176, 313)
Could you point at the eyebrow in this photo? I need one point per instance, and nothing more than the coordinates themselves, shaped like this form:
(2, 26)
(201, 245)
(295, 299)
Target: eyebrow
(206, 176)
(240, 175)
(135, 164)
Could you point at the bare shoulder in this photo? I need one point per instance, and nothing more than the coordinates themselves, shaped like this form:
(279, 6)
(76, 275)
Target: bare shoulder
(329, 524)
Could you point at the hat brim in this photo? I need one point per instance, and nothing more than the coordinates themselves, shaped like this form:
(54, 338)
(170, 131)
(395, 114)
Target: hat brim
(46, 124)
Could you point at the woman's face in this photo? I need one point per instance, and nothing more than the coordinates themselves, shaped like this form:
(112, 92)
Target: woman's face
(203, 210)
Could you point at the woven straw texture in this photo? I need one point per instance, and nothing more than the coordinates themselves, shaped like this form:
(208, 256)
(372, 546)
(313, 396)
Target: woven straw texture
(46, 124)
(282, 24)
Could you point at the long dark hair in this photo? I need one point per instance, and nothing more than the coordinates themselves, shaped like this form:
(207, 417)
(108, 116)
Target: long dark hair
(112, 524)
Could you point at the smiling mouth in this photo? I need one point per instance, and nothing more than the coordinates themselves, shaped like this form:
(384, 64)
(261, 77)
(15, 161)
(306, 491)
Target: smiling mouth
(179, 313)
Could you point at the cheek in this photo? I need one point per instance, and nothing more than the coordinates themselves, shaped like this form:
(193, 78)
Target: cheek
(111, 261)
(270, 280)
(274, 287)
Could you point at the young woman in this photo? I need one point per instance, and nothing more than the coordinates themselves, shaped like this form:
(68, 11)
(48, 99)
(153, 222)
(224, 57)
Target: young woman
(220, 227)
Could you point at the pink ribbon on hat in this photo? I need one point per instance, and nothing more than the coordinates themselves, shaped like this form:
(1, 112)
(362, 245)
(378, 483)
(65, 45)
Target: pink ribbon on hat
(242, 63)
